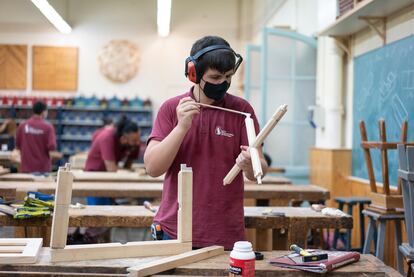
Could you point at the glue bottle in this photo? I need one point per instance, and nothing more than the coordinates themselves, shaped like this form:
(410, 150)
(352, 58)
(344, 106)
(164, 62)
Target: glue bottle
(242, 259)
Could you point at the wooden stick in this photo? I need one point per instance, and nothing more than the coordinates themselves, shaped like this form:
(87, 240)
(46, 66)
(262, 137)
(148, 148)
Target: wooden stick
(175, 261)
(60, 218)
(223, 109)
(384, 158)
(280, 112)
(185, 204)
(86, 252)
(367, 155)
(254, 153)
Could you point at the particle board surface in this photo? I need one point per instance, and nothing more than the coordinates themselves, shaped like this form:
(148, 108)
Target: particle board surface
(55, 68)
(13, 66)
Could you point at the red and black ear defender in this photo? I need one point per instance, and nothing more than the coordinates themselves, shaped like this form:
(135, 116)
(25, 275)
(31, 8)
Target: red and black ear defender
(191, 71)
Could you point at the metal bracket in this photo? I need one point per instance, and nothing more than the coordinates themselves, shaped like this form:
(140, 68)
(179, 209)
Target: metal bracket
(372, 23)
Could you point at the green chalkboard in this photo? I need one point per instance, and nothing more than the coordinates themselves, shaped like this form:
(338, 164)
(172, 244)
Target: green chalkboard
(383, 88)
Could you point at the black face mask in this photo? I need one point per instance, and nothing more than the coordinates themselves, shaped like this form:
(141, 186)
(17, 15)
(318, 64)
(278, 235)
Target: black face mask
(216, 91)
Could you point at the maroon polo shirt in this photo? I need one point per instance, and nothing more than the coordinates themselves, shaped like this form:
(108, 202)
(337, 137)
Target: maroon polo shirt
(35, 138)
(210, 147)
(106, 147)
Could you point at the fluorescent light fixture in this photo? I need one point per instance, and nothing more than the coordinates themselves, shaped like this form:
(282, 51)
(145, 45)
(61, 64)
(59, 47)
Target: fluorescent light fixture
(52, 15)
(163, 17)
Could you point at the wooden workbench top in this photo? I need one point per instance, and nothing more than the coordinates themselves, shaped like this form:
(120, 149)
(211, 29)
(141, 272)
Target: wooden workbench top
(216, 266)
(120, 176)
(138, 216)
(154, 190)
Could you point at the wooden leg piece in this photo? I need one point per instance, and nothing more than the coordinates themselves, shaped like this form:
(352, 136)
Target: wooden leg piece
(185, 204)
(175, 261)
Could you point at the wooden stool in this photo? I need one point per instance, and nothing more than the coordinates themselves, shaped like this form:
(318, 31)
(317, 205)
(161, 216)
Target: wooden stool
(382, 218)
(351, 201)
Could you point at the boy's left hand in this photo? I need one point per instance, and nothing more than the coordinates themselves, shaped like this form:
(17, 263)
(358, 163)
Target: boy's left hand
(244, 160)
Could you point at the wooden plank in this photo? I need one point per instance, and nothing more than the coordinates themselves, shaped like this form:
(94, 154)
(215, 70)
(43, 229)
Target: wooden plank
(55, 68)
(185, 205)
(118, 251)
(13, 66)
(19, 250)
(384, 158)
(63, 197)
(367, 156)
(175, 261)
(129, 189)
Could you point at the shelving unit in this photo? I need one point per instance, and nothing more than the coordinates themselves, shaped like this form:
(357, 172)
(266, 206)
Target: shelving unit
(75, 124)
(355, 20)
(367, 13)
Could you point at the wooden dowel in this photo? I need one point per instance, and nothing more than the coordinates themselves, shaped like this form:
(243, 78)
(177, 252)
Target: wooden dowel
(280, 112)
(254, 153)
(384, 158)
(367, 156)
(223, 109)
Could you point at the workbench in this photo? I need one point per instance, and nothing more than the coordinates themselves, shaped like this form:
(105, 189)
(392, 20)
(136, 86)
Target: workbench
(296, 221)
(120, 176)
(283, 193)
(367, 266)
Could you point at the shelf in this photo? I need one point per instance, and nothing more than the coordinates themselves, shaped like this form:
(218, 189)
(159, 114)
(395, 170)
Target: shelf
(76, 138)
(82, 123)
(131, 109)
(350, 23)
(84, 108)
(145, 124)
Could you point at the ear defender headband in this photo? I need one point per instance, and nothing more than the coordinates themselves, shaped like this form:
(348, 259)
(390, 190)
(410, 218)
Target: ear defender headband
(191, 70)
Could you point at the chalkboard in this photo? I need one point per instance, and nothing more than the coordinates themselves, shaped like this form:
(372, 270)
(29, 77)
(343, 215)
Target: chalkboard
(383, 88)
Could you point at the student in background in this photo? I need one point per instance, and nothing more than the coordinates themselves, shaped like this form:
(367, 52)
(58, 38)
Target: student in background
(35, 138)
(110, 146)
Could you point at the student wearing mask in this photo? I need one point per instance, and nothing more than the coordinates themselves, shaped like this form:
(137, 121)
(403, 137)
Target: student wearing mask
(209, 141)
(35, 138)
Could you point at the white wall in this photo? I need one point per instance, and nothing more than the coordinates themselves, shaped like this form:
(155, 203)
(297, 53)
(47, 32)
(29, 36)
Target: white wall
(96, 22)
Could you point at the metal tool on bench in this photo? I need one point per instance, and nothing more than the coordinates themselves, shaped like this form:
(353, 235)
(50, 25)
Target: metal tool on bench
(308, 256)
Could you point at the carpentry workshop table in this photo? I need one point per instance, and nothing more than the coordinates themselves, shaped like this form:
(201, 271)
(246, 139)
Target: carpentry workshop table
(121, 176)
(296, 221)
(154, 190)
(216, 266)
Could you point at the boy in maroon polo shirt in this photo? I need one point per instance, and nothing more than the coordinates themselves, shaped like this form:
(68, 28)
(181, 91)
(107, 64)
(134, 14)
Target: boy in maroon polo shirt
(111, 145)
(209, 141)
(35, 138)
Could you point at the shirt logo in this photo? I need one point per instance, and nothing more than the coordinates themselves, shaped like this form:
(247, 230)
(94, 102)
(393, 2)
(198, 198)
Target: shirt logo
(221, 132)
(31, 130)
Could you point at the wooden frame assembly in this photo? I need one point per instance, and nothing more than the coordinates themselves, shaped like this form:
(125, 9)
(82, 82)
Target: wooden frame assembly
(18, 251)
(280, 112)
(61, 252)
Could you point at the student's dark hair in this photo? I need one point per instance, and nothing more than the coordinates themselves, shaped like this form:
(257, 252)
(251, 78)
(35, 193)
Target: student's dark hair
(125, 126)
(268, 159)
(221, 60)
(39, 107)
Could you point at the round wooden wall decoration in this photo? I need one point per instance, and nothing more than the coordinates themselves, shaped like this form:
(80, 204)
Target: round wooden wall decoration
(119, 60)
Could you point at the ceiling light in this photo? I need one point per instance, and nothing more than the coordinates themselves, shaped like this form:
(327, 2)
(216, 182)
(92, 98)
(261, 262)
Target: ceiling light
(52, 15)
(163, 17)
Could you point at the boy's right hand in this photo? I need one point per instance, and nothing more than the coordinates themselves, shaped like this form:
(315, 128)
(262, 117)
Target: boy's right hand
(186, 110)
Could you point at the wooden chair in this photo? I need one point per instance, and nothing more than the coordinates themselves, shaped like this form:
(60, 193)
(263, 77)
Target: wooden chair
(384, 199)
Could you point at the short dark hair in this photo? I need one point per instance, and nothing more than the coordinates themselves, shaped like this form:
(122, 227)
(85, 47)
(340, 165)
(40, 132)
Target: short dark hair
(222, 60)
(39, 107)
(125, 126)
